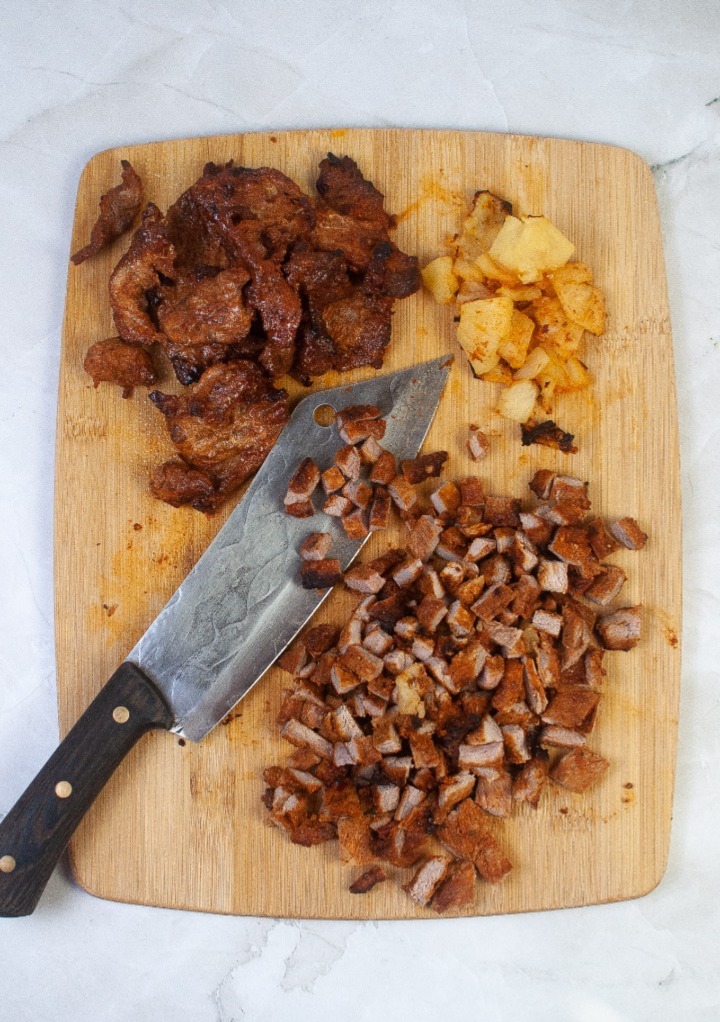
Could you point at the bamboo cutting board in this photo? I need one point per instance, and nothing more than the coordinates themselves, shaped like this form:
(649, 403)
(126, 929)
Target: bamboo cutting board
(181, 825)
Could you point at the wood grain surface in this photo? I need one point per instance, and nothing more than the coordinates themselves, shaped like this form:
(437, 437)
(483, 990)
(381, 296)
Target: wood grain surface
(181, 825)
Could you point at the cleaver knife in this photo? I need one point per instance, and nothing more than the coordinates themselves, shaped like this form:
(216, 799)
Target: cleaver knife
(235, 613)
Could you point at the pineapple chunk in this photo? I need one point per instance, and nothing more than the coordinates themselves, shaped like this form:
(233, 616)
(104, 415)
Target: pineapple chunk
(554, 327)
(576, 375)
(529, 247)
(582, 303)
(571, 273)
(501, 373)
(439, 279)
(514, 346)
(482, 226)
(535, 363)
(518, 401)
(492, 271)
(467, 269)
(521, 293)
(471, 291)
(483, 325)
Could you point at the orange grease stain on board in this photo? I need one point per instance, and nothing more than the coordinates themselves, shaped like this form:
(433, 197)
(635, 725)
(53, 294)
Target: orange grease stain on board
(338, 133)
(671, 636)
(432, 191)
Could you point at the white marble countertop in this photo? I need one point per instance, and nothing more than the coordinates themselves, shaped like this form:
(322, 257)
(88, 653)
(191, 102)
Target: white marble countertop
(78, 77)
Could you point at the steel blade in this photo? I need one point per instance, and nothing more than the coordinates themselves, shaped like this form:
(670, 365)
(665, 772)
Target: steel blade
(242, 604)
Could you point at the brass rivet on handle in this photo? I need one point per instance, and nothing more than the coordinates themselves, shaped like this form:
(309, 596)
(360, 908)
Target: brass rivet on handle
(121, 714)
(63, 789)
(7, 864)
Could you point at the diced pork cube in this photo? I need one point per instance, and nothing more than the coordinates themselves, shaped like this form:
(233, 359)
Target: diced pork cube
(425, 466)
(427, 878)
(628, 532)
(332, 479)
(302, 736)
(620, 630)
(361, 429)
(446, 499)
(316, 546)
(379, 509)
(478, 444)
(579, 769)
(347, 459)
(552, 576)
(320, 574)
(355, 524)
(424, 537)
(384, 470)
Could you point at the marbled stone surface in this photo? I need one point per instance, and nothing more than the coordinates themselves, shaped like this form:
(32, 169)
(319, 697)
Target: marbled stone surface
(81, 76)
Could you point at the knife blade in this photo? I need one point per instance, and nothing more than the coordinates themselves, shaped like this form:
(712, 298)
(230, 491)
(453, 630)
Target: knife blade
(237, 610)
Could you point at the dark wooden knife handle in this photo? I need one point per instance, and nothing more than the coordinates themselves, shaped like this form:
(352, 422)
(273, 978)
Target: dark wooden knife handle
(37, 829)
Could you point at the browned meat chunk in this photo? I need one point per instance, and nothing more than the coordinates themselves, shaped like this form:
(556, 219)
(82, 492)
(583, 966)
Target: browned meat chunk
(302, 483)
(579, 769)
(356, 413)
(570, 543)
(337, 506)
(204, 320)
(149, 259)
(466, 833)
(178, 484)
(347, 460)
(345, 190)
(502, 511)
(320, 574)
(355, 524)
(425, 466)
(605, 587)
(332, 479)
(601, 541)
(547, 434)
(316, 546)
(319, 639)
(280, 310)
(364, 579)
(403, 493)
(428, 876)
(478, 444)
(116, 361)
(552, 576)
(529, 783)
(620, 630)
(363, 429)
(367, 880)
(384, 469)
(573, 707)
(255, 213)
(225, 424)
(354, 240)
(359, 492)
(379, 509)
(457, 889)
(348, 325)
(118, 209)
(392, 273)
(628, 532)
(359, 329)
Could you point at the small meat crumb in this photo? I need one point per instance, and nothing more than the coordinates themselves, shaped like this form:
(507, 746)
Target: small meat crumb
(478, 444)
(367, 880)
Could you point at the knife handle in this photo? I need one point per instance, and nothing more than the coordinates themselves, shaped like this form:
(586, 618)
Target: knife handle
(36, 830)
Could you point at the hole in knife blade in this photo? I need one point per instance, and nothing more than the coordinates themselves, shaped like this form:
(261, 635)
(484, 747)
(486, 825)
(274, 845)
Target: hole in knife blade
(324, 415)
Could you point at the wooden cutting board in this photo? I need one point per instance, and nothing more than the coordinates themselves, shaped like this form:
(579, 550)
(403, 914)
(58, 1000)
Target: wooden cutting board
(181, 825)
